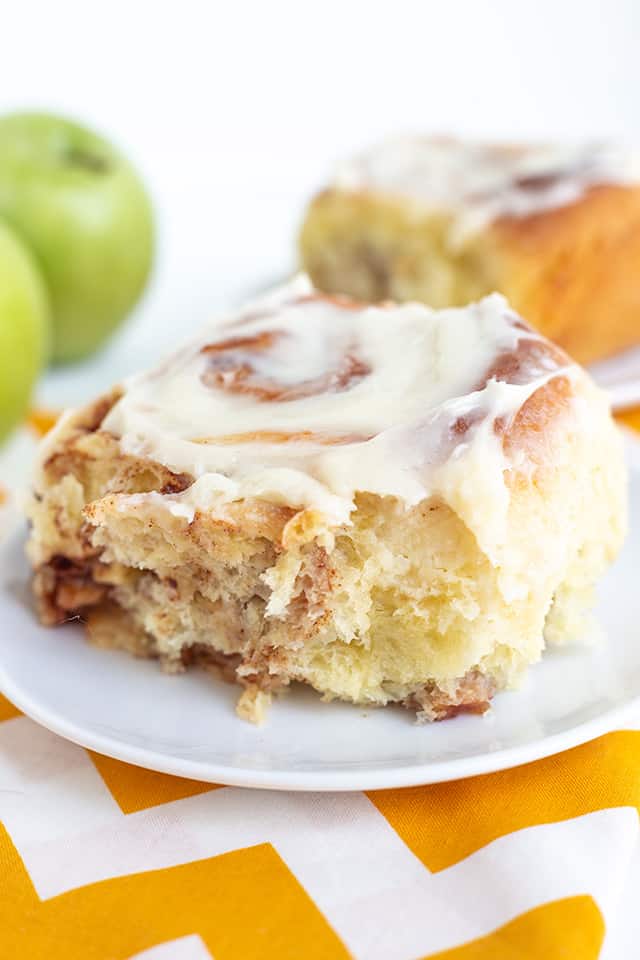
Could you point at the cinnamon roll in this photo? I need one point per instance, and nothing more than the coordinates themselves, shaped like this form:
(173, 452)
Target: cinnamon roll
(390, 503)
(555, 228)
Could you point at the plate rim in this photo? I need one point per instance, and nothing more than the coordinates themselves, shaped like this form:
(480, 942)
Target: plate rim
(439, 771)
(336, 780)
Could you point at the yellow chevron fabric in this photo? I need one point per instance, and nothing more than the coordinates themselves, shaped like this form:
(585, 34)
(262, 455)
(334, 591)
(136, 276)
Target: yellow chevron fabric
(100, 860)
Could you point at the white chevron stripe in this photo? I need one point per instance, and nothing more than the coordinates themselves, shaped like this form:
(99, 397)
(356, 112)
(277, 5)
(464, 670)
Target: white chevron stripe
(48, 786)
(622, 938)
(377, 895)
(589, 854)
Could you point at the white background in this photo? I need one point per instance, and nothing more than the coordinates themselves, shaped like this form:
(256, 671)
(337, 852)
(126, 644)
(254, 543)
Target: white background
(235, 112)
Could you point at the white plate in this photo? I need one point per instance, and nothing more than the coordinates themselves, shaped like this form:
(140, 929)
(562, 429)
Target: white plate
(186, 724)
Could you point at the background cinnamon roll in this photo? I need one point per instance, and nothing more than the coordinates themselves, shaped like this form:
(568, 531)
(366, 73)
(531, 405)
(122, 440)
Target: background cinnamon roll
(554, 228)
(389, 503)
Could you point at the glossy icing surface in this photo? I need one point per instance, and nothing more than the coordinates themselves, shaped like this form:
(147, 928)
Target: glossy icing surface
(476, 183)
(306, 400)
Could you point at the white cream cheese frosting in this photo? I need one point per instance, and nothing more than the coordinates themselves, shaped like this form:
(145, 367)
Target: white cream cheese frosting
(307, 401)
(476, 183)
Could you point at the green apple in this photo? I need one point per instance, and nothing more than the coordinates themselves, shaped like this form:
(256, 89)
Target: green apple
(24, 328)
(85, 214)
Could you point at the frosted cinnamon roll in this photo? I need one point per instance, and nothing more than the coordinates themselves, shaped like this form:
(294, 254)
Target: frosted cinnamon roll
(389, 503)
(556, 228)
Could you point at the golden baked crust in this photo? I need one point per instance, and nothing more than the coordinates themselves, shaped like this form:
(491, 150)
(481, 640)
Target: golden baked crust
(73, 578)
(571, 271)
(401, 603)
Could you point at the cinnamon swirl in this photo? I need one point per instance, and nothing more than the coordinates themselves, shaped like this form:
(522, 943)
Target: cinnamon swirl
(554, 228)
(389, 503)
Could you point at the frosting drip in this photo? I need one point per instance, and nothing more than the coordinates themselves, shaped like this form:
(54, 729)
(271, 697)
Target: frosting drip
(476, 183)
(307, 400)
